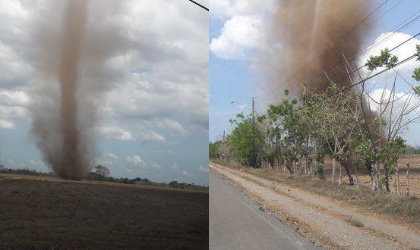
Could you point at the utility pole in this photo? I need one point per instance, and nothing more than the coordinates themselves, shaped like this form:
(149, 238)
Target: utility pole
(254, 160)
(224, 135)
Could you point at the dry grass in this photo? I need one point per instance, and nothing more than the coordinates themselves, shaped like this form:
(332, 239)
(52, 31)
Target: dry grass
(354, 222)
(47, 213)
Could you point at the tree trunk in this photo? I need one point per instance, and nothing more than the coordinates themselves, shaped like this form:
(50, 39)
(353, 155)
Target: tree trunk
(346, 164)
(397, 179)
(311, 169)
(369, 169)
(340, 180)
(408, 179)
(351, 180)
(294, 167)
(373, 179)
(275, 164)
(386, 180)
(376, 185)
(333, 170)
(301, 170)
(356, 177)
(378, 176)
(289, 167)
(320, 165)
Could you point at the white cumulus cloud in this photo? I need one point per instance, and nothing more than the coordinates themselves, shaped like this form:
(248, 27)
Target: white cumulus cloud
(137, 161)
(146, 135)
(173, 126)
(112, 156)
(113, 132)
(7, 125)
(243, 30)
(229, 8)
(187, 174)
(238, 37)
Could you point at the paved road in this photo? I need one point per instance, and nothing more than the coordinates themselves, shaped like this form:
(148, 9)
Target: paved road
(236, 222)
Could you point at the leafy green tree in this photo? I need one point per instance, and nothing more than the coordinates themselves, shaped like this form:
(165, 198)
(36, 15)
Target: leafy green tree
(246, 140)
(416, 73)
(385, 59)
(215, 150)
(389, 155)
(288, 134)
(416, 76)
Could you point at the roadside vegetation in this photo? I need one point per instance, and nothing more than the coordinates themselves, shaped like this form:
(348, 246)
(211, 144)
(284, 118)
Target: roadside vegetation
(341, 142)
(354, 222)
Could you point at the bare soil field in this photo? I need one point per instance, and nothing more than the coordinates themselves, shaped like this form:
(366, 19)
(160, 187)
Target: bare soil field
(48, 213)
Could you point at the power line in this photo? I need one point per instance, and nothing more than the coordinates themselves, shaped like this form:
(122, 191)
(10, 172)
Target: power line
(380, 6)
(393, 32)
(385, 39)
(198, 4)
(375, 75)
(394, 48)
(341, 64)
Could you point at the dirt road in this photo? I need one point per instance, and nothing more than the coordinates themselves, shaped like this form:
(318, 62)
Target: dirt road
(322, 219)
(236, 222)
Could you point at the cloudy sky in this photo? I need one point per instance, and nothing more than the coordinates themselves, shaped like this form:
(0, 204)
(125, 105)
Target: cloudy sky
(152, 118)
(237, 37)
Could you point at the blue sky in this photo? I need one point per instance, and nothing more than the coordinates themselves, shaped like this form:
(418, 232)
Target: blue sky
(236, 78)
(152, 121)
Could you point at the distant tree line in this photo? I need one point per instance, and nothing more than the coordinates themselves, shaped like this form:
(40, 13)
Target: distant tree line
(102, 174)
(25, 171)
